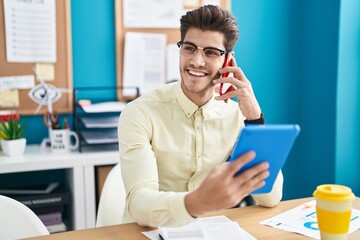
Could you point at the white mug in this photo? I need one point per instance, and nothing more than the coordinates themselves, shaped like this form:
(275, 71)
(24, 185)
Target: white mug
(61, 140)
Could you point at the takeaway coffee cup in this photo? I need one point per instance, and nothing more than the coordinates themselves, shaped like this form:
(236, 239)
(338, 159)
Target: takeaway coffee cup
(61, 140)
(333, 210)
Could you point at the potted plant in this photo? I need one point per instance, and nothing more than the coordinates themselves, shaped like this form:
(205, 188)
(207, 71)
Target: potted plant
(11, 132)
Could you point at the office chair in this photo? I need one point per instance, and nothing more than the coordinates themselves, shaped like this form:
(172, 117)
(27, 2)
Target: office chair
(19, 221)
(112, 199)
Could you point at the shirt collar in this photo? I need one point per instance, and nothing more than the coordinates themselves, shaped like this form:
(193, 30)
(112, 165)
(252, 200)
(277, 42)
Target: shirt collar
(189, 107)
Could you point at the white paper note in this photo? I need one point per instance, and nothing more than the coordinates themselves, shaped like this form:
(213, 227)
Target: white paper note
(172, 63)
(211, 2)
(208, 228)
(152, 13)
(144, 61)
(17, 82)
(30, 29)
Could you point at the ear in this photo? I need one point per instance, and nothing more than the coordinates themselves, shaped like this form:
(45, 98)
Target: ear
(232, 53)
(229, 59)
(232, 61)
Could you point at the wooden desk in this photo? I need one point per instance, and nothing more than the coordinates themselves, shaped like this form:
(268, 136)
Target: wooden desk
(248, 218)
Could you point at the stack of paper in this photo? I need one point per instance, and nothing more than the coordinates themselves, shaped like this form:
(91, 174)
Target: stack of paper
(100, 122)
(104, 107)
(100, 136)
(302, 219)
(210, 228)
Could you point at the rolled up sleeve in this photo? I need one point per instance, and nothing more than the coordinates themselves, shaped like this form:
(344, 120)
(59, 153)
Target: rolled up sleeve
(274, 197)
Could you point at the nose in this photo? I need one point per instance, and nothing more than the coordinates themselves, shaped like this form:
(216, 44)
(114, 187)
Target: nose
(198, 59)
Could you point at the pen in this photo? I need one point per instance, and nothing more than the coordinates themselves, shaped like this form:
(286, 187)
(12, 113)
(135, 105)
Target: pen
(161, 237)
(66, 124)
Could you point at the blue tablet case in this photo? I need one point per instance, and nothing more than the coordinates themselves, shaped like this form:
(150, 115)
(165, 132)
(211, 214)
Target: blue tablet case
(272, 143)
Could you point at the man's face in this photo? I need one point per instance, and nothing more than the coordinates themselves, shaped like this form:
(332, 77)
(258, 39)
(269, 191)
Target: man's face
(196, 73)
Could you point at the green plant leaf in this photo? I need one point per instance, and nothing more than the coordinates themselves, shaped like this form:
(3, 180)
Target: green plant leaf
(12, 129)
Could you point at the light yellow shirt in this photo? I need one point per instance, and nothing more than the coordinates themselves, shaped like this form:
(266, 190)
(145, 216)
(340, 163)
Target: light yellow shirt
(168, 145)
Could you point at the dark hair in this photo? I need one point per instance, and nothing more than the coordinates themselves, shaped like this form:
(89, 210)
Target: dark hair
(211, 18)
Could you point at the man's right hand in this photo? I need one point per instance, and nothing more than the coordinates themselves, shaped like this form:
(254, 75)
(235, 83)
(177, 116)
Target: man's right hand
(221, 189)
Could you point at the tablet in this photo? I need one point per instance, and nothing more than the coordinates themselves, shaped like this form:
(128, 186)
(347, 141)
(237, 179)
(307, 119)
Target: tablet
(271, 143)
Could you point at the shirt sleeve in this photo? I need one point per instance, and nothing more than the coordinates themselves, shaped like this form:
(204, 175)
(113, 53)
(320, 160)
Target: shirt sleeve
(274, 197)
(146, 204)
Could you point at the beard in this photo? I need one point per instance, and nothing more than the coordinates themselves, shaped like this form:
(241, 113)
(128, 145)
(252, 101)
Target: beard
(196, 84)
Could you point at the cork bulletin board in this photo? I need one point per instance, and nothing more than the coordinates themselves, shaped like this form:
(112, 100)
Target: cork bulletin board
(62, 67)
(173, 36)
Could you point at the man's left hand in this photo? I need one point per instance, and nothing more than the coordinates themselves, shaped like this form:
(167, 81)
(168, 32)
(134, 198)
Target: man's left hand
(243, 90)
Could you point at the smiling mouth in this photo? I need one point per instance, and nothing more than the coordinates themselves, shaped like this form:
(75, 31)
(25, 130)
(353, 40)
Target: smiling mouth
(196, 73)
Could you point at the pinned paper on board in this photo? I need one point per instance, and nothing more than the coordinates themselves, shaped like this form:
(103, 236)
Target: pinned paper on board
(30, 29)
(172, 63)
(17, 82)
(9, 98)
(191, 4)
(211, 2)
(45, 94)
(144, 64)
(46, 70)
(152, 13)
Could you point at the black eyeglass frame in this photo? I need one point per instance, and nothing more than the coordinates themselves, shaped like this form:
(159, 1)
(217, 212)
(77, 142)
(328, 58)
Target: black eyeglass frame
(222, 52)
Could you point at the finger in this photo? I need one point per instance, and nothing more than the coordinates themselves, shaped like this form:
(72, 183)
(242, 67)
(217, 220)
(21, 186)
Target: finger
(240, 93)
(257, 186)
(253, 183)
(239, 74)
(234, 81)
(245, 191)
(238, 163)
(252, 172)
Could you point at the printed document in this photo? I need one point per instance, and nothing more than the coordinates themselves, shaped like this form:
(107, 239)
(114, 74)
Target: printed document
(30, 29)
(209, 228)
(302, 219)
(152, 13)
(172, 63)
(144, 61)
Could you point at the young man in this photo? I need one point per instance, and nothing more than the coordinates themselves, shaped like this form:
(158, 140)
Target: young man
(174, 141)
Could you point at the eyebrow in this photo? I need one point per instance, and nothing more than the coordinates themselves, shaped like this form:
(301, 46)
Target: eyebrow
(210, 47)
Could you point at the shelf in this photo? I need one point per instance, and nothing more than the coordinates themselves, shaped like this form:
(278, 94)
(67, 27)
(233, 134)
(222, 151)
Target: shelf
(96, 119)
(100, 122)
(77, 170)
(99, 136)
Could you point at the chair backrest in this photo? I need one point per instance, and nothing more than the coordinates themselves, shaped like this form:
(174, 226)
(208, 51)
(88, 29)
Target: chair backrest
(112, 199)
(19, 221)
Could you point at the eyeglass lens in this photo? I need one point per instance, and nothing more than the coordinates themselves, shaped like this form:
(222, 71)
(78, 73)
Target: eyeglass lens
(210, 55)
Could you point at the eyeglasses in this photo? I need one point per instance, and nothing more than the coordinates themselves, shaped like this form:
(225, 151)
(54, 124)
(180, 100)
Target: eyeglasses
(210, 54)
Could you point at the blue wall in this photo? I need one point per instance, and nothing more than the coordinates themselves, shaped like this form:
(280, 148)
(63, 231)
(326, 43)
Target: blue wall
(302, 58)
(290, 52)
(348, 96)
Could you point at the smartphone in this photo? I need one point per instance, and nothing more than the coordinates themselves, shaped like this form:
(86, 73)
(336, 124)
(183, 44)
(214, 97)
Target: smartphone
(227, 62)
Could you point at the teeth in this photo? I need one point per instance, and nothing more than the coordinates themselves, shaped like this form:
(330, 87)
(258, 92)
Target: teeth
(199, 74)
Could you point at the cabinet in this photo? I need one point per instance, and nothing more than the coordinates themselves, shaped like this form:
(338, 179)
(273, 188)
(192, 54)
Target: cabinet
(79, 172)
(95, 119)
